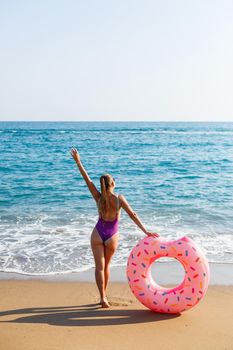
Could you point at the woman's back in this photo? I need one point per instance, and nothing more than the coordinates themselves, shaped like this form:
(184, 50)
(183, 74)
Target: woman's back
(113, 210)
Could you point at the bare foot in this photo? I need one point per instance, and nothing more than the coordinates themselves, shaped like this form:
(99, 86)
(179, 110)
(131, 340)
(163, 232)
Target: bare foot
(104, 303)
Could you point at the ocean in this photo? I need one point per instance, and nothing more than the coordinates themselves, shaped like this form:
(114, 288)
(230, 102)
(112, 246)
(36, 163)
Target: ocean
(178, 177)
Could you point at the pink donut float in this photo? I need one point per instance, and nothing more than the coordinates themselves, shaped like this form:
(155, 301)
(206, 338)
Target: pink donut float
(161, 299)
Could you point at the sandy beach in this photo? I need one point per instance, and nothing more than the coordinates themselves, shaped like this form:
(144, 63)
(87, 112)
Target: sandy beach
(40, 314)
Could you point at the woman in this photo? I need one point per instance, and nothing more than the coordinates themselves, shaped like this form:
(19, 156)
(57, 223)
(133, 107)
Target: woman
(104, 237)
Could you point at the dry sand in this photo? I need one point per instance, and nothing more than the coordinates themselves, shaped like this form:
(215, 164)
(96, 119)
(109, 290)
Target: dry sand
(43, 315)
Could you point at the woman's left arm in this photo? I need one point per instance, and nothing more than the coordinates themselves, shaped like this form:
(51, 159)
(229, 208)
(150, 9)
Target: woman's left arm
(95, 193)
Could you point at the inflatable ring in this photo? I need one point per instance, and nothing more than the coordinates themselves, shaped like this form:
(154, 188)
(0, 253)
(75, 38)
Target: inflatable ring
(161, 299)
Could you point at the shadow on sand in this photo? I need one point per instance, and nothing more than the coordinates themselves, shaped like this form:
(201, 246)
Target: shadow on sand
(84, 315)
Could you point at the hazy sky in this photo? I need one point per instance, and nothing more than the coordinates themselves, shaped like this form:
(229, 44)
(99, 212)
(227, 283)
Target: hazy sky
(152, 60)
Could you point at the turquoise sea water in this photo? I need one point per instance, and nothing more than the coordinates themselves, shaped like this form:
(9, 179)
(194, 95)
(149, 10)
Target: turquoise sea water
(178, 177)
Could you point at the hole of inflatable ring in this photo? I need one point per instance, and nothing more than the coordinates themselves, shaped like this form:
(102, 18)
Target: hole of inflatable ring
(167, 272)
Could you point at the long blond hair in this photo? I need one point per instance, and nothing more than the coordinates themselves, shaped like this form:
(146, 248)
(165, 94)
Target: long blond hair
(105, 183)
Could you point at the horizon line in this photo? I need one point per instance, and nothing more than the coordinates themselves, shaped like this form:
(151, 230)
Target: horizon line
(118, 121)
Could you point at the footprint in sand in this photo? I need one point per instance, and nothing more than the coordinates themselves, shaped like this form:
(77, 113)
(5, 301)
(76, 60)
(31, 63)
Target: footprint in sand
(117, 301)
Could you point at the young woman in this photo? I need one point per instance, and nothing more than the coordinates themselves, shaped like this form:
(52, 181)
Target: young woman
(104, 237)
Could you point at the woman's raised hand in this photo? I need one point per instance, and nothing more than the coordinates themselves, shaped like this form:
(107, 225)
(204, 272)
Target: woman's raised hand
(75, 155)
(153, 234)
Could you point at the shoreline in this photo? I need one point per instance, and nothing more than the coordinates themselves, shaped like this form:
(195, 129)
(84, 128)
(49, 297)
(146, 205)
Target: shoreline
(166, 273)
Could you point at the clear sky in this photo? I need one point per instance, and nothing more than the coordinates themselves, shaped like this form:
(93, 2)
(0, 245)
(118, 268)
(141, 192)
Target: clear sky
(158, 60)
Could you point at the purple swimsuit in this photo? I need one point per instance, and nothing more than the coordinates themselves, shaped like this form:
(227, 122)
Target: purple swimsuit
(107, 229)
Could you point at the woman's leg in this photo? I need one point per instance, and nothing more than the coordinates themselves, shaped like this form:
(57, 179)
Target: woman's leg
(98, 252)
(110, 247)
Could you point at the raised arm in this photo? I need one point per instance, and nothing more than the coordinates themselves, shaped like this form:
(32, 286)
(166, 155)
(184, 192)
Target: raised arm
(125, 205)
(95, 193)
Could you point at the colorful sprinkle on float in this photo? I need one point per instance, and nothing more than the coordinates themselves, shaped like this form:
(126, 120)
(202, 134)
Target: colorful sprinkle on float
(161, 299)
